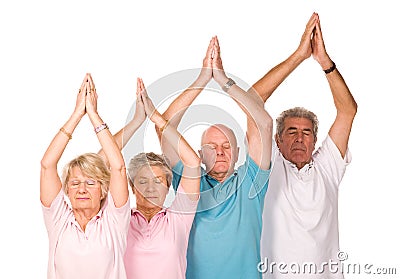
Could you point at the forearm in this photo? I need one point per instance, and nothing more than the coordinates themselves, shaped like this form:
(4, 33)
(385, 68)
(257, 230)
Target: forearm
(60, 141)
(108, 144)
(175, 141)
(177, 108)
(274, 77)
(343, 99)
(50, 183)
(123, 136)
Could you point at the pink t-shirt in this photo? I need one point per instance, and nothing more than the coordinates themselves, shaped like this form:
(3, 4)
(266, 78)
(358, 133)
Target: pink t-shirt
(157, 249)
(94, 253)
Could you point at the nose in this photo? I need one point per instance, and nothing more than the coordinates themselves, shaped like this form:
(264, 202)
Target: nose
(219, 150)
(299, 137)
(151, 187)
(82, 187)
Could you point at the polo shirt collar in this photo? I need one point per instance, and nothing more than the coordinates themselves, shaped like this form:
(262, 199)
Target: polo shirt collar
(306, 169)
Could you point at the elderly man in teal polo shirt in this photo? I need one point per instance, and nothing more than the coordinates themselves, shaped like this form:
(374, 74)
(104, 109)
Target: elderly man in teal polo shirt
(225, 237)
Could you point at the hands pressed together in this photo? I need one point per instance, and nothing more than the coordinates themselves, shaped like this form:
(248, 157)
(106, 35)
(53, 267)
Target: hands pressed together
(212, 64)
(312, 43)
(86, 101)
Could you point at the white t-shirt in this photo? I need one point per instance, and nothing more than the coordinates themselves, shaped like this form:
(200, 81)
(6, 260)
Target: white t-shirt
(300, 237)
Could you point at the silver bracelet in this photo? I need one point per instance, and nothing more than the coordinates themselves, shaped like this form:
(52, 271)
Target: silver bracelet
(100, 128)
(228, 84)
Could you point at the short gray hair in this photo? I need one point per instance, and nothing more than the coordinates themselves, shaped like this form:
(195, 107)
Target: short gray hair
(297, 112)
(149, 159)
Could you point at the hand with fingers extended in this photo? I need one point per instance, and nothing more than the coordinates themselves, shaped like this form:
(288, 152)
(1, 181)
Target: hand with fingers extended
(217, 67)
(91, 96)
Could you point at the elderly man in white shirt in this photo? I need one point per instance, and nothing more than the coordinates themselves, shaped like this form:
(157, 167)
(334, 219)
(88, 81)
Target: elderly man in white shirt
(300, 237)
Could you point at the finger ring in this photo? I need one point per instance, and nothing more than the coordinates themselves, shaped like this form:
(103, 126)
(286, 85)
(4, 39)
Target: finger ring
(79, 90)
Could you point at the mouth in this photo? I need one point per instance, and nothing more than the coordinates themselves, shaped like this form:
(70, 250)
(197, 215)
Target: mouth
(152, 198)
(82, 199)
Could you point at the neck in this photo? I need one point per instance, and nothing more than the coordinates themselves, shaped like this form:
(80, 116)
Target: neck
(147, 212)
(83, 216)
(219, 176)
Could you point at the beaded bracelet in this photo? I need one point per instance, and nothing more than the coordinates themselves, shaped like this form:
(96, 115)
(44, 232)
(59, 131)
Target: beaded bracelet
(100, 128)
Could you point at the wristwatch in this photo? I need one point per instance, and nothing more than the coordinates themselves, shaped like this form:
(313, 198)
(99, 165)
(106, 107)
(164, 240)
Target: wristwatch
(228, 84)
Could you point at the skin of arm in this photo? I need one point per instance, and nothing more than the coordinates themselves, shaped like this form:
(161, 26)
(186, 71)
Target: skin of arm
(175, 111)
(345, 104)
(273, 78)
(191, 171)
(118, 180)
(259, 122)
(50, 182)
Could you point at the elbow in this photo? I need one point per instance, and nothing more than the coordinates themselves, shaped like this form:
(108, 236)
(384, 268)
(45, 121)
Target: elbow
(194, 163)
(266, 122)
(46, 164)
(355, 108)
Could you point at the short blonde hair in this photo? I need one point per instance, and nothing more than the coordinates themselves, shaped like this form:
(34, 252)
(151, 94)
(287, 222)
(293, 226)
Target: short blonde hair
(149, 159)
(92, 165)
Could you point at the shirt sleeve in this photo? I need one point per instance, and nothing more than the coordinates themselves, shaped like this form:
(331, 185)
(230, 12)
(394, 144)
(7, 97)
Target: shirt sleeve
(329, 157)
(57, 213)
(184, 207)
(259, 178)
(177, 171)
(119, 216)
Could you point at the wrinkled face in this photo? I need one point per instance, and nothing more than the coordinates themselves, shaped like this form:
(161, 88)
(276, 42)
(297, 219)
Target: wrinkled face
(297, 142)
(151, 187)
(219, 151)
(83, 192)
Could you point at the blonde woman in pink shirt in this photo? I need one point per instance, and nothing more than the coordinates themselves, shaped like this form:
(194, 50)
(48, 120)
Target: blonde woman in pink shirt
(86, 212)
(158, 236)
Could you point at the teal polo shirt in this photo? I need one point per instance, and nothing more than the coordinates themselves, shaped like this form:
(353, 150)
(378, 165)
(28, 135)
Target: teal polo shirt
(224, 240)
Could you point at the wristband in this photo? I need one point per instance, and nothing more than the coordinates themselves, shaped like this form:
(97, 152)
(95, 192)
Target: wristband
(100, 128)
(331, 69)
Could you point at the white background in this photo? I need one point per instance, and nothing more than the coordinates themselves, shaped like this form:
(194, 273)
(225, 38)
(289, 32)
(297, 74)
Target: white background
(46, 47)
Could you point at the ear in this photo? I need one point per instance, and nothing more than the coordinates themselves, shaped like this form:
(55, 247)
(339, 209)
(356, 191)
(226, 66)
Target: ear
(237, 155)
(277, 140)
(201, 155)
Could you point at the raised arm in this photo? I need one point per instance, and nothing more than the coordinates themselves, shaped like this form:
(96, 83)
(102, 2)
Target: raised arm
(190, 181)
(123, 136)
(259, 122)
(273, 78)
(345, 104)
(50, 182)
(118, 179)
(178, 107)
